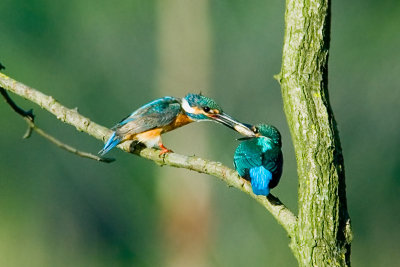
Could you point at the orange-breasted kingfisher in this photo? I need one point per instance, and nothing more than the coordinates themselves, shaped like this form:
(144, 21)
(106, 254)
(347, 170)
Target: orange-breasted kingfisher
(147, 123)
(259, 159)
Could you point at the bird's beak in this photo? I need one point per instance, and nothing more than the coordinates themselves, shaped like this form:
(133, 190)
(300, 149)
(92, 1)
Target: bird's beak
(245, 138)
(225, 119)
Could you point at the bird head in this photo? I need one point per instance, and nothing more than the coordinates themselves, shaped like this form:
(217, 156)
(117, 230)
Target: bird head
(202, 108)
(264, 130)
(268, 131)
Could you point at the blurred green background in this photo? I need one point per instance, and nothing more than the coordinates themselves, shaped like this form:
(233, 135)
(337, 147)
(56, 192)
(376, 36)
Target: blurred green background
(108, 58)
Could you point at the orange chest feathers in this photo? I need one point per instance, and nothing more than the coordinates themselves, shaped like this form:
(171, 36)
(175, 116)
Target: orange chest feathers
(153, 134)
(179, 121)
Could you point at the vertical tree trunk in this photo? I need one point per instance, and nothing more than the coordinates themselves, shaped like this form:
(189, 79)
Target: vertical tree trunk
(323, 233)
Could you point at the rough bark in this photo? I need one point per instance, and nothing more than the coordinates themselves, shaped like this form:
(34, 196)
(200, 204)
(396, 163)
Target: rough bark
(322, 235)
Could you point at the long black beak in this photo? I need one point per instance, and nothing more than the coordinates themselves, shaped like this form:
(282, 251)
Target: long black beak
(225, 119)
(245, 138)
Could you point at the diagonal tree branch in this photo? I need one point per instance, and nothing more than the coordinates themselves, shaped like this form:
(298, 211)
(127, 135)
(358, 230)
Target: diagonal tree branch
(71, 116)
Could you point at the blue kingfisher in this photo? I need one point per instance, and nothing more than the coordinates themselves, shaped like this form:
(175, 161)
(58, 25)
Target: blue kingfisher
(162, 115)
(259, 159)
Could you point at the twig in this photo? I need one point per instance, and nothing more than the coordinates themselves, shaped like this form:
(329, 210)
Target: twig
(27, 114)
(67, 147)
(282, 214)
(29, 118)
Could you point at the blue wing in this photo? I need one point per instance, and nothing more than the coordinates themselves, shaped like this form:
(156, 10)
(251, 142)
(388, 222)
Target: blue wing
(159, 106)
(273, 161)
(247, 156)
(260, 179)
(157, 113)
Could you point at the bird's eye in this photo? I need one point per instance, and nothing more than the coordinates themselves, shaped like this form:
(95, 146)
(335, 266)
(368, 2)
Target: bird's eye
(206, 109)
(255, 129)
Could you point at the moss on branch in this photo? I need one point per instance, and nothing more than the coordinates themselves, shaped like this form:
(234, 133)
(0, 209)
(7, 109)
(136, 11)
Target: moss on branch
(323, 221)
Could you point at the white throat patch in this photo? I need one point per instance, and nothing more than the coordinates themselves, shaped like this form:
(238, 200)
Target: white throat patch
(186, 107)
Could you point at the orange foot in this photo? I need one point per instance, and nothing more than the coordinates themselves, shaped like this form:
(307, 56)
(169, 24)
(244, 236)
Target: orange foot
(164, 149)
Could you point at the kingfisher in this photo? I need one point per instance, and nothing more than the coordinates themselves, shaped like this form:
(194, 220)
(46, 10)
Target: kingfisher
(259, 159)
(162, 115)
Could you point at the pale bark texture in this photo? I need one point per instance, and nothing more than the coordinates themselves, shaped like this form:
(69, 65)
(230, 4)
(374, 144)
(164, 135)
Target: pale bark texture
(323, 234)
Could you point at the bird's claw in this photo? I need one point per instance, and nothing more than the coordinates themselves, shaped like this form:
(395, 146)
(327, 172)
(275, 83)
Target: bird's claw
(164, 150)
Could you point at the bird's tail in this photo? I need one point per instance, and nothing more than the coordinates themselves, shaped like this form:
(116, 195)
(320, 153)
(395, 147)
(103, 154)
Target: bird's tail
(260, 178)
(112, 142)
